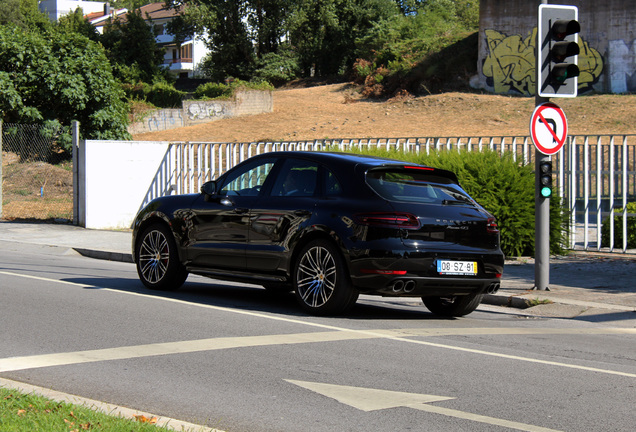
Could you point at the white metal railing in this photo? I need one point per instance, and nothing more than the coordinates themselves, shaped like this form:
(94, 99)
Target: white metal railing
(595, 174)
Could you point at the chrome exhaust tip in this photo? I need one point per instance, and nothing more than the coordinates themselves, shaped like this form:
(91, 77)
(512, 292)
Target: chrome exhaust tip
(493, 288)
(409, 286)
(398, 286)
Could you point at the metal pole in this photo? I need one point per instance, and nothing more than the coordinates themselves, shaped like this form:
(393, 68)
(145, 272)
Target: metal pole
(542, 205)
(75, 128)
(1, 139)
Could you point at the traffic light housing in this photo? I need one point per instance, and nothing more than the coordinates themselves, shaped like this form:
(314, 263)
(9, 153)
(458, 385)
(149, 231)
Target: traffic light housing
(557, 51)
(545, 179)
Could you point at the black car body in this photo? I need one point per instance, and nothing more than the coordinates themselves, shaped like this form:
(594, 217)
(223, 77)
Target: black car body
(349, 224)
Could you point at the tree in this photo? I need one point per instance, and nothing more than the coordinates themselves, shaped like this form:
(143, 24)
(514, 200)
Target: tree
(59, 76)
(228, 37)
(325, 32)
(75, 22)
(132, 48)
(24, 14)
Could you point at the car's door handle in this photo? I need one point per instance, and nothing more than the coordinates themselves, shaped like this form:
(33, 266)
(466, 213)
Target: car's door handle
(240, 210)
(302, 212)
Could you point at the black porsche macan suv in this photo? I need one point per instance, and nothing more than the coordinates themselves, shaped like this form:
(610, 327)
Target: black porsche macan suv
(327, 226)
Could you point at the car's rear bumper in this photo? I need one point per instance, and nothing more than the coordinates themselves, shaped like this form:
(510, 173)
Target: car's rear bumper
(415, 274)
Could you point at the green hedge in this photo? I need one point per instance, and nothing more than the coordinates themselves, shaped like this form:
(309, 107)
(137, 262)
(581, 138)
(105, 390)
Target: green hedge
(502, 186)
(226, 91)
(618, 229)
(161, 94)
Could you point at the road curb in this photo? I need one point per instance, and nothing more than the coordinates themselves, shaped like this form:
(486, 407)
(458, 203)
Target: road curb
(507, 301)
(105, 255)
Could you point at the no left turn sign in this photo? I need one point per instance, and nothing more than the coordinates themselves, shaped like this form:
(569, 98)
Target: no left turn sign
(548, 128)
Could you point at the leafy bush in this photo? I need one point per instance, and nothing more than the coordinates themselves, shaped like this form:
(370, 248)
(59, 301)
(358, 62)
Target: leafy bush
(618, 229)
(165, 95)
(432, 48)
(213, 91)
(160, 94)
(278, 68)
(58, 77)
(504, 188)
(226, 91)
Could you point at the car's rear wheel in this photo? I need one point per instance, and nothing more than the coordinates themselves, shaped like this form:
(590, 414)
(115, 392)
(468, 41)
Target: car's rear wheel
(157, 259)
(453, 306)
(320, 281)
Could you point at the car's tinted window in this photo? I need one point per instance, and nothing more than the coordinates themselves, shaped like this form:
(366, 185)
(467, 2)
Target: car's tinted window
(296, 178)
(332, 185)
(416, 185)
(247, 181)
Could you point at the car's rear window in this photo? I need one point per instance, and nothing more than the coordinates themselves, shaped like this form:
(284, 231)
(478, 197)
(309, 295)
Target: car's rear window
(417, 186)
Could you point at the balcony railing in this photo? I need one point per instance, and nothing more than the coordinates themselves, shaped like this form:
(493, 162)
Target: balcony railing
(179, 60)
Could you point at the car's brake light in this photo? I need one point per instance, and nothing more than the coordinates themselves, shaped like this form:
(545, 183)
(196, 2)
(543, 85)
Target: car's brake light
(419, 168)
(389, 220)
(491, 226)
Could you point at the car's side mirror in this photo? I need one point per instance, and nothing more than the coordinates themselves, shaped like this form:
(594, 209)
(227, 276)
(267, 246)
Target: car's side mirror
(209, 188)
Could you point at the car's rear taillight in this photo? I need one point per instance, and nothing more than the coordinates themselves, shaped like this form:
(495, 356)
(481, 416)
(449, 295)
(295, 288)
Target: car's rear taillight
(491, 226)
(389, 220)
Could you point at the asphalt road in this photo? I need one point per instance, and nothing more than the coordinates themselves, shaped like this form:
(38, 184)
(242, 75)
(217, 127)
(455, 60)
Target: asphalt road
(237, 358)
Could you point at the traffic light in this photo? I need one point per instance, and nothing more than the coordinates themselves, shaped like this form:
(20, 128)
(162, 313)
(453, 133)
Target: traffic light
(557, 51)
(545, 179)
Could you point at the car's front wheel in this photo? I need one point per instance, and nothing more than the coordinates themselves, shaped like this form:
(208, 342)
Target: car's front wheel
(157, 259)
(453, 306)
(320, 281)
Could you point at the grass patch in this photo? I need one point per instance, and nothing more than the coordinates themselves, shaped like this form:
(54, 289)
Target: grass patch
(537, 302)
(22, 412)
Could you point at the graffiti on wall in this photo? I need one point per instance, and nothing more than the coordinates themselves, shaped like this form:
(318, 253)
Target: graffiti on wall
(207, 110)
(510, 64)
(164, 119)
(622, 57)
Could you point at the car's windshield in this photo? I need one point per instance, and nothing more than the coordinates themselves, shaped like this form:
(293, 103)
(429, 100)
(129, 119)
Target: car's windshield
(418, 186)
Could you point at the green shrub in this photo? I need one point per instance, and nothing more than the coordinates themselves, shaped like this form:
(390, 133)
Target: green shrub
(160, 94)
(278, 68)
(503, 187)
(213, 91)
(618, 228)
(226, 91)
(165, 95)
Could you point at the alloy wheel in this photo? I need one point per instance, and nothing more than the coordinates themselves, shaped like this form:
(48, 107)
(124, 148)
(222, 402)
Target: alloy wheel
(316, 277)
(154, 256)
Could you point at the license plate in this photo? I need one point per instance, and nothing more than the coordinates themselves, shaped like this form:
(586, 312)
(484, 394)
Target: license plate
(447, 267)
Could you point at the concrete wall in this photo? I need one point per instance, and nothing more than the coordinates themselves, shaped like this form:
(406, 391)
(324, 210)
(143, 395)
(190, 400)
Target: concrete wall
(507, 45)
(115, 177)
(246, 102)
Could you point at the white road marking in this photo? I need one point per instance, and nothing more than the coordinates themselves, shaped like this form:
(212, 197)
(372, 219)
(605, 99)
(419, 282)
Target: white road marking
(398, 336)
(366, 399)
(128, 352)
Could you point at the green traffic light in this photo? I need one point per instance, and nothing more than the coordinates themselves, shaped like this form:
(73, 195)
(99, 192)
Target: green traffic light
(546, 192)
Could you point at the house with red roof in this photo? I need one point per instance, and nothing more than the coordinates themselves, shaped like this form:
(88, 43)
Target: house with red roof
(182, 59)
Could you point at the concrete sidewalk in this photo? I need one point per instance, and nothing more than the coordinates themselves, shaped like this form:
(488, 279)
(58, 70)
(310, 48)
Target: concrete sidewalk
(580, 283)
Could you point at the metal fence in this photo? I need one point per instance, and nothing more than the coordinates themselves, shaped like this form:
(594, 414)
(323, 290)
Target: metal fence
(595, 175)
(37, 178)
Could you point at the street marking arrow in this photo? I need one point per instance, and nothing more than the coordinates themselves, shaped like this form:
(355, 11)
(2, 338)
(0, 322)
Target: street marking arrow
(366, 399)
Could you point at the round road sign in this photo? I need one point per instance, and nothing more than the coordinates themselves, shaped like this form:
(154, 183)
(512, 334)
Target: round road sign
(548, 128)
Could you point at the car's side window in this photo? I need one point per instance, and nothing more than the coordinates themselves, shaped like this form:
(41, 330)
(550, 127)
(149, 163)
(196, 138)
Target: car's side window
(249, 181)
(332, 185)
(296, 178)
